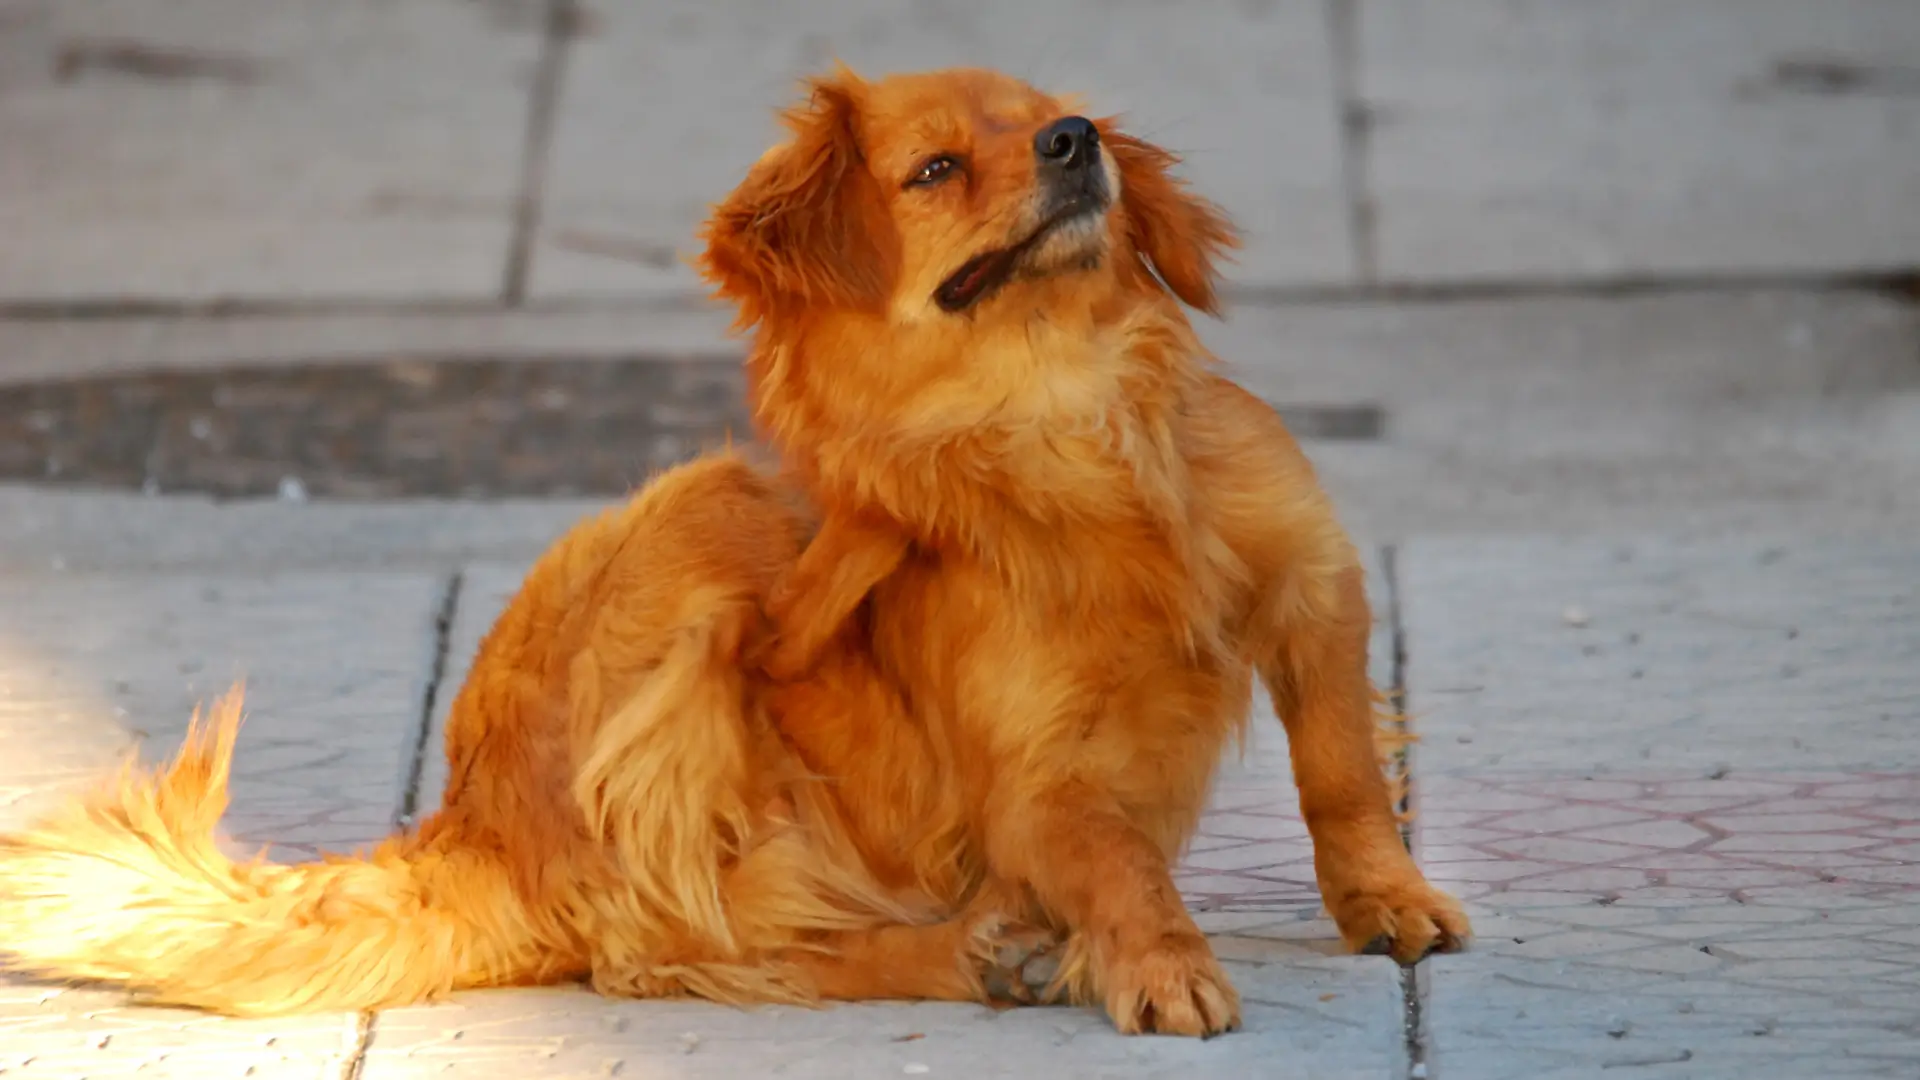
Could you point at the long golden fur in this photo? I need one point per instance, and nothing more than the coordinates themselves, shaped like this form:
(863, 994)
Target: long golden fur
(926, 714)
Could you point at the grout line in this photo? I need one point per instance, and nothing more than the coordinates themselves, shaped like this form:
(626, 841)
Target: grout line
(355, 1065)
(1413, 991)
(1413, 980)
(536, 152)
(429, 698)
(1902, 284)
(366, 1022)
(1354, 120)
(1397, 693)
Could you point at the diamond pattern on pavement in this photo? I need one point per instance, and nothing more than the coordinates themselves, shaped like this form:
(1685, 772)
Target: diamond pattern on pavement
(1754, 924)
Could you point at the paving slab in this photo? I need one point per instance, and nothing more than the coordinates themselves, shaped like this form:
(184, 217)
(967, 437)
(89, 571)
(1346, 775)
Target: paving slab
(1526, 360)
(227, 149)
(1636, 654)
(665, 105)
(1676, 784)
(1521, 139)
(43, 350)
(92, 665)
(1698, 411)
(1303, 1020)
(1248, 879)
(55, 532)
(1762, 925)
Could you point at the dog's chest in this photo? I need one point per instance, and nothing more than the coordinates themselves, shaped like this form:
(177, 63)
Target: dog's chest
(1089, 669)
(1100, 600)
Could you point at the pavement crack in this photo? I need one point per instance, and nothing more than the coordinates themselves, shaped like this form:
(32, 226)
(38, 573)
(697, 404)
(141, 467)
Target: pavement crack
(448, 608)
(365, 1023)
(1413, 982)
(356, 1062)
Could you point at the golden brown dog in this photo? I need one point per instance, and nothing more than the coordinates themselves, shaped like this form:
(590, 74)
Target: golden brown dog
(1027, 559)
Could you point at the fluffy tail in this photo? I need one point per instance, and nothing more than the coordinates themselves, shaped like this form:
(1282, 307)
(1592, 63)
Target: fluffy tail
(127, 886)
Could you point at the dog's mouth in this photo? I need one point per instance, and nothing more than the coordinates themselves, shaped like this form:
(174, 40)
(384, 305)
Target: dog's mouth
(984, 273)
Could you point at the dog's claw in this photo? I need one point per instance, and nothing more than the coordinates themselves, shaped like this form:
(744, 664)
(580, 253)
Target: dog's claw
(1408, 922)
(1176, 988)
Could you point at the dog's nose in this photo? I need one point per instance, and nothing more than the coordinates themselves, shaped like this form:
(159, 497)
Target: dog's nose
(1068, 143)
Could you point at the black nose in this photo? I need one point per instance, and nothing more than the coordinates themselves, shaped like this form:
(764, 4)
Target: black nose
(1068, 143)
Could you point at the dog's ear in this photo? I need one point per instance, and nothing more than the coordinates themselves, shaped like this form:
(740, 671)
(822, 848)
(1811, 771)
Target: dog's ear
(807, 226)
(1179, 233)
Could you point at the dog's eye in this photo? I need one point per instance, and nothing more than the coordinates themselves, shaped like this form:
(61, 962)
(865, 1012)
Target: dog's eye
(932, 171)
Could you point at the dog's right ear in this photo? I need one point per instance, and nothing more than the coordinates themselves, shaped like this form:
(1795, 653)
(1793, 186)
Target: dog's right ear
(1183, 236)
(807, 227)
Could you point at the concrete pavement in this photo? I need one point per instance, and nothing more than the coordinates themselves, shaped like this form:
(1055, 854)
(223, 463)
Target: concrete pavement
(1684, 816)
(1621, 281)
(301, 152)
(1673, 780)
(96, 664)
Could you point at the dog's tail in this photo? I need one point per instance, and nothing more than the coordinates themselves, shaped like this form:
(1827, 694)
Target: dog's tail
(128, 887)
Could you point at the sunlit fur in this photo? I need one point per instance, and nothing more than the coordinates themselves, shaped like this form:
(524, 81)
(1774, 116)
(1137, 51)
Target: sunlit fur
(625, 804)
(925, 715)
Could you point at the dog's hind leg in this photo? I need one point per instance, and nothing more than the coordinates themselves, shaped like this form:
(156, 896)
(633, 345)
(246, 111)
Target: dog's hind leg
(665, 778)
(981, 954)
(984, 957)
(670, 757)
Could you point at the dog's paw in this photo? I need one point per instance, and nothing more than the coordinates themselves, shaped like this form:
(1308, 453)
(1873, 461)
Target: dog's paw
(787, 659)
(1017, 963)
(1176, 987)
(1408, 920)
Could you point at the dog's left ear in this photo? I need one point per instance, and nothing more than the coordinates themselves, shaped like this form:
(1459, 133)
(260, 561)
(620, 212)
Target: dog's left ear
(1179, 233)
(807, 227)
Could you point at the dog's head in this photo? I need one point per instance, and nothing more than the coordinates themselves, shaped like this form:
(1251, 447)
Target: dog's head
(941, 194)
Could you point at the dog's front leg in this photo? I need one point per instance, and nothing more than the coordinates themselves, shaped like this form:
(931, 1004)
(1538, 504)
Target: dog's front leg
(850, 554)
(1096, 871)
(1317, 673)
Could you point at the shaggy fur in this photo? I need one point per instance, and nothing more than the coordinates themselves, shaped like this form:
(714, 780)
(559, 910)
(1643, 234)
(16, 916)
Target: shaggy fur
(927, 715)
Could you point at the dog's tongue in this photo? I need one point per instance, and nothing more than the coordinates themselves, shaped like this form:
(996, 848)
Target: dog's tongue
(970, 281)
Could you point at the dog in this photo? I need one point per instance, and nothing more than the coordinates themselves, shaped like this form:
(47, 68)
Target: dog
(927, 711)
